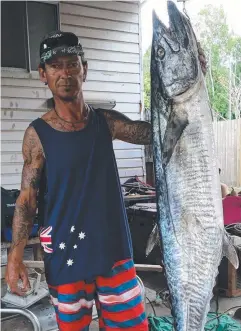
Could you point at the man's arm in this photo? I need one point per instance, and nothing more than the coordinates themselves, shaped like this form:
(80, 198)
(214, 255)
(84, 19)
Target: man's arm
(123, 128)
(26, 203)
(26, 206)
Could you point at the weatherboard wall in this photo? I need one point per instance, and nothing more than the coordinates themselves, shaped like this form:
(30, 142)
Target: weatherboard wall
(110, 35)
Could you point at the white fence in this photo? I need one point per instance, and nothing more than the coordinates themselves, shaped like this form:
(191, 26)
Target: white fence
(228, 142)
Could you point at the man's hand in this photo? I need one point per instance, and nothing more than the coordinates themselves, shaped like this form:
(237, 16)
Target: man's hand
(16, 270)
(202, 59)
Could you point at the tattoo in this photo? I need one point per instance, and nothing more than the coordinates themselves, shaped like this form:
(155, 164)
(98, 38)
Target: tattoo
(30, 177)
(123, 128)
(22, 224)
(33, 160)
(27, 201)
(60, 125)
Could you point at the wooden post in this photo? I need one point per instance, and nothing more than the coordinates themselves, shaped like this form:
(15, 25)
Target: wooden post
(232, 291)
(150, 178)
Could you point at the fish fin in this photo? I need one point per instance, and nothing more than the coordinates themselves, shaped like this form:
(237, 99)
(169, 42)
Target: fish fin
(176, 124)
(229, 250)
(153, 240)
(236, 240)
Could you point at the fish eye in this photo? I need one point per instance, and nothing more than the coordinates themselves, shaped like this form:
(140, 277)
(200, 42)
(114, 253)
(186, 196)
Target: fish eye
(161, 53)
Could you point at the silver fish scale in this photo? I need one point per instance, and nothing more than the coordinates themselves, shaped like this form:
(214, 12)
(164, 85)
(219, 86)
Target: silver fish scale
(193, 246)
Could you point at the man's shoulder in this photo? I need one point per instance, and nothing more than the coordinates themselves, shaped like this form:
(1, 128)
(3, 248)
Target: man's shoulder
(46, 116)
(31, 141)
(37, 120)
(102, 113)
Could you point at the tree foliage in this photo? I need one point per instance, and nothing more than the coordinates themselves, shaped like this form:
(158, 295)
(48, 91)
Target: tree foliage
(222, 49)
(147, 78)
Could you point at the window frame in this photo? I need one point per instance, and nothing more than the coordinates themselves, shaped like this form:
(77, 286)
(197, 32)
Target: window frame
(28, 68)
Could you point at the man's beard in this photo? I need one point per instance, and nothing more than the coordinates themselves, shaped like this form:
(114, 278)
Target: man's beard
(68, 98)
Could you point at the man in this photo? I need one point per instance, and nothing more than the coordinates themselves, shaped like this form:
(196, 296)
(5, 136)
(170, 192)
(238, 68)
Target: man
(85, 237)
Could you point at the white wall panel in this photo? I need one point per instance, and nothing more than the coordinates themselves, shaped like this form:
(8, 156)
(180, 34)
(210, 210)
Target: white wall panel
(109, 33)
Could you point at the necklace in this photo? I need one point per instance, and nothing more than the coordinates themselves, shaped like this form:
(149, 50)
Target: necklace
(74, 123)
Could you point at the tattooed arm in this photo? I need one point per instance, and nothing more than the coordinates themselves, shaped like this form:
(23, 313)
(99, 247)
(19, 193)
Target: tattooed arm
(123, 128)
(25, 209)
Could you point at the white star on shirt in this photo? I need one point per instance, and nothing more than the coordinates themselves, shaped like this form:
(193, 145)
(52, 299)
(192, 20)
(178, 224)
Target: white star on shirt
(81, 235)
(72, 228)
(75, 246)
(70, 262)
(62, 246)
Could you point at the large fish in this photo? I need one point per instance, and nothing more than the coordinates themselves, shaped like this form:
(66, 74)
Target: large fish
(189, 205)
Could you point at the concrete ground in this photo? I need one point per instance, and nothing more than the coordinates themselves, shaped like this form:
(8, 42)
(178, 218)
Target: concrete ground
(155, 282)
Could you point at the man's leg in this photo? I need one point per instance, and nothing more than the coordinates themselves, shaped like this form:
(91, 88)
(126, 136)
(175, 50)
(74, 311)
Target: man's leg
(99, 311)
(73, 305)
(120, 302)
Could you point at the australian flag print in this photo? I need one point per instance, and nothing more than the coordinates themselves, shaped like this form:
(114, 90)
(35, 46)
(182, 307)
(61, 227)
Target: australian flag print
(46, 240)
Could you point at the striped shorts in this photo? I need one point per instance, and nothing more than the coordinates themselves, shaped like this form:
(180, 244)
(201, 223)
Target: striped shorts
(117, 297)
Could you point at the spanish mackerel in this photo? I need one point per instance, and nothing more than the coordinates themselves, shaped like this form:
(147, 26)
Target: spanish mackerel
(189, 205)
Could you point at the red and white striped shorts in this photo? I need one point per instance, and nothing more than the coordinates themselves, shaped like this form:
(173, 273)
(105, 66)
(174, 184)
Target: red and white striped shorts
(117, 296)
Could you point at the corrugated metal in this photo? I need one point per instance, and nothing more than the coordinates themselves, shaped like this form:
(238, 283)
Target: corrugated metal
(109, 33)
(228, 142)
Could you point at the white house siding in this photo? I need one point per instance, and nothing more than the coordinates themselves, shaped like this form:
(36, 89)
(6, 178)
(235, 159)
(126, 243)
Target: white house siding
(109, 32)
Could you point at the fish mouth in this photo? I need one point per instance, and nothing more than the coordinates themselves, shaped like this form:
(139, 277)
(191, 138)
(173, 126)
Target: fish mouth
(181, 84)
(176, 35)
(178, 24)
(175, 52)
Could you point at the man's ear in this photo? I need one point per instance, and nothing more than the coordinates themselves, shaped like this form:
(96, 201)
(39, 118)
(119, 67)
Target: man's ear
(85, 68)
(42, 75)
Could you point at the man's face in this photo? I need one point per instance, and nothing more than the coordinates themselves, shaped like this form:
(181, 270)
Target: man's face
(64, 76)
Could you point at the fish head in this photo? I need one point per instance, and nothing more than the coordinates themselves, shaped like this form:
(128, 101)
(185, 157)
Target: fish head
(174, 53)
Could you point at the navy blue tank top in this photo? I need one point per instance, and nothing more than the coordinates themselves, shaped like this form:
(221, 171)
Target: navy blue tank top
(85, 223)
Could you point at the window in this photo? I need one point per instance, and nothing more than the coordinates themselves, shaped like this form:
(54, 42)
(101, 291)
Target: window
(23, 25)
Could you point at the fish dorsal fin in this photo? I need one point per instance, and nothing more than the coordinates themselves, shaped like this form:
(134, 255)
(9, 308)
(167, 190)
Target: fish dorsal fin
(229, 250)
(176, 124)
